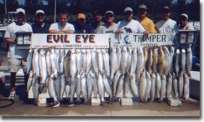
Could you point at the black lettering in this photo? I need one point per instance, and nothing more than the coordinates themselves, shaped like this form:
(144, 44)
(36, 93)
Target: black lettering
(56, 38)
(77, 38)
(66, 39)
(49, 38)
(92, 38)
(85, 38)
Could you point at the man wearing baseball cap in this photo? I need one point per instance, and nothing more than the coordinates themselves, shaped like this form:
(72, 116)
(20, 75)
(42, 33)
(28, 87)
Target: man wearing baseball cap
(81, 25)
(16, 57)
(40, 26)
(110, 26)
(146, 22)
(166, 24)
(128, 24)
(183, 22)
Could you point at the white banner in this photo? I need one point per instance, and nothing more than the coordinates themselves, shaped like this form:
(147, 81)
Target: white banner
(141, 40)
(70, 40)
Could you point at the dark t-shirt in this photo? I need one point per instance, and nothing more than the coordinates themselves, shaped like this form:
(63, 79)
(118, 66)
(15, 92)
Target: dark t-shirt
(40, 29)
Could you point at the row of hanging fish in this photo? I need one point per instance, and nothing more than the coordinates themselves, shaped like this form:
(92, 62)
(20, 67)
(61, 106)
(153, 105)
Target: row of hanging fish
(148, 73)
(69, 73)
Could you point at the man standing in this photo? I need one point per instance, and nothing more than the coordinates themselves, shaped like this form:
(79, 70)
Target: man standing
(146, 22)
(97, 21)
(62, 26)
(166, 25)
(16, 57)
(129, 25)
(183, 23)
(81, 25)
(40, 26)
(110, 26)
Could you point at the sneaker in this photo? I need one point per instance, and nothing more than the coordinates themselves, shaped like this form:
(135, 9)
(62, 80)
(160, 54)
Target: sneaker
(56, 104)
(12, 95)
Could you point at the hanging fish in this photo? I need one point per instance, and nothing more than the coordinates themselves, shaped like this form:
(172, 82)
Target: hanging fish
(30, 80)
(140, 63)
(35, 63)
(106, 62)
(149, 63)
(155, 60)
(100, 61)
(119, 89)
(183, 60)
(142, 87)
(94, 61)
(29, 61)
(188, 61)
(52, 92)
(124, 60)
(169, 86)
(115, 82)
(186, 87)
(133, 85)
(43, 70)
(163, 87)
(181, 84)
(153, 85)
(158, 86)
(107, 86)
(148, 86)
(176, 62)
(100, 86)
(133, 61)
(114, 65)
(175, 85)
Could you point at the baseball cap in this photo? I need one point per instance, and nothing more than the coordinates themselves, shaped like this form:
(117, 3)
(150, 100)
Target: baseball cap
(184, 15)
(81, 16)
(39, 12)
(109, 12)
(142, 6)
(20, 10)
(128, 9)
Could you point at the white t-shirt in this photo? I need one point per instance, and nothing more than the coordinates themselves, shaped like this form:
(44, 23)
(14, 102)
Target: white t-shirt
(105, 29)
(189, 26)
(168, 26)
(56, 26)
(131, 27)
(11, 31)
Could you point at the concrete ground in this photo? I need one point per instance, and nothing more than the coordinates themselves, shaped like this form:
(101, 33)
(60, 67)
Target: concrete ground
(188, 109)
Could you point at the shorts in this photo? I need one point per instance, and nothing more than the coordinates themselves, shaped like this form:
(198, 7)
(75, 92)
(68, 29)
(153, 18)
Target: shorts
(16, 63)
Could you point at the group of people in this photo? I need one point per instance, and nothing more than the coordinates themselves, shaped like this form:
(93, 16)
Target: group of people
(143, 24)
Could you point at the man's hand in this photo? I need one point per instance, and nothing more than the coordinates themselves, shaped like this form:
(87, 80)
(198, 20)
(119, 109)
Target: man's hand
(10, 40)
(52, 31)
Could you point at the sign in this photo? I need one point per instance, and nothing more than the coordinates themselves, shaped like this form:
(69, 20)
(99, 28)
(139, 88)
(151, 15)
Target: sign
(70, 40)
(186, 36)
(23, 38)
(142, 40)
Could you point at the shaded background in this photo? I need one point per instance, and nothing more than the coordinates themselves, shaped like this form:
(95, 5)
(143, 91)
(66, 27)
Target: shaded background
(191, 7)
